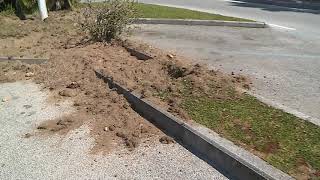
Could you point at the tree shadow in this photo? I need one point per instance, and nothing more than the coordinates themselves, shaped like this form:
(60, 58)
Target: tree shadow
(276, 6)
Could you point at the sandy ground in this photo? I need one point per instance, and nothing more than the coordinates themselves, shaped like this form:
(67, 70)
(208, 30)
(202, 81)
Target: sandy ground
(25, 156)
(61, 122)
(69, 75)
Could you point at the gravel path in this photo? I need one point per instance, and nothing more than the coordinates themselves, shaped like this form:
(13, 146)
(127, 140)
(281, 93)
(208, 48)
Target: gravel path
(23, 106)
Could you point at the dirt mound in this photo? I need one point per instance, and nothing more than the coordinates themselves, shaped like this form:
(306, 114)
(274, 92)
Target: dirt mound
(69, 74)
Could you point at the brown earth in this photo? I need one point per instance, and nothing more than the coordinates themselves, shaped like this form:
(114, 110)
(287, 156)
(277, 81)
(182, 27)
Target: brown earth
(69, 75)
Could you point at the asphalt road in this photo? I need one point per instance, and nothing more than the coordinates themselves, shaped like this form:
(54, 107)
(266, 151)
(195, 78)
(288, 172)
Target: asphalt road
(302, 22)
(283, 60)
(283, 67)
(23, 106)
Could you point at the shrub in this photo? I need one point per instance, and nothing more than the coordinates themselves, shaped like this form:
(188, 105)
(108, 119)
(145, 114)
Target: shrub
(55, 5)
(6, 9)
(26, 6)
(106, 21)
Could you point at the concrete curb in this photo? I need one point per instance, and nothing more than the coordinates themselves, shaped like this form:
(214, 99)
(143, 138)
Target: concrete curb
(213, 152)
(192, 22)
(25, 60)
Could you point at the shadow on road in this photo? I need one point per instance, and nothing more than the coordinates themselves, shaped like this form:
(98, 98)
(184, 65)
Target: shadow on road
(274, 6)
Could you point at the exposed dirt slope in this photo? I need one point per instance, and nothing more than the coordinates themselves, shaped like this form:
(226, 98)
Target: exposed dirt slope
(69, 75)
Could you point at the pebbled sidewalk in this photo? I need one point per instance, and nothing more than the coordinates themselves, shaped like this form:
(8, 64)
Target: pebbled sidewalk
(23, 105)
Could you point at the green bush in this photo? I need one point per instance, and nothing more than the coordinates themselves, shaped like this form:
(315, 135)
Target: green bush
(55, 5)
(27, 6)
(108, 20)
(6, 9)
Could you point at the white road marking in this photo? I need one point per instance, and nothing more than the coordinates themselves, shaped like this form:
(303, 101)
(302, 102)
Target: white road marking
(282, 27)
(234, 1)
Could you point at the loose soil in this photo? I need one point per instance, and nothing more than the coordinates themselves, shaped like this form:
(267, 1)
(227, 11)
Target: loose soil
(69, 75)
(165, 79)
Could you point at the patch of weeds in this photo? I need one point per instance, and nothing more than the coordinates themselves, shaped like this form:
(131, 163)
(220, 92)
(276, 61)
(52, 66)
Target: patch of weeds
(163, 95)
(7, 10)
(175, 71)
(285, 141)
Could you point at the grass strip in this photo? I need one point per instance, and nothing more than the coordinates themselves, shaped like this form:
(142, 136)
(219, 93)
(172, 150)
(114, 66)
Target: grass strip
(283, 140)
(156, 11)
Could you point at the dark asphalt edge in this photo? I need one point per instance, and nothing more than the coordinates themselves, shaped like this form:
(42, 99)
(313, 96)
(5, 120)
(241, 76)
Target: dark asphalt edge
(214, 153)
(194, 22)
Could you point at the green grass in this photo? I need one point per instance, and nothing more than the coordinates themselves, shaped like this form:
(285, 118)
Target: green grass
(285, 141)
(255, 125)
(156, 11)
(7, 10)
(148, 11)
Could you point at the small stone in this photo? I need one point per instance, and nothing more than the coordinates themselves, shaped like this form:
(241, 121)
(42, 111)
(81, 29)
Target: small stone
(166, 140)
(67, 93)
(106, 128)
(41, 127)
(73, 85)
(27, 106)
(29, 74)
(27, 135)
(122, 135)
(6, 99)
(112, 128)
(170, 56)
(126, 106)
(246, 86)
(144, 129)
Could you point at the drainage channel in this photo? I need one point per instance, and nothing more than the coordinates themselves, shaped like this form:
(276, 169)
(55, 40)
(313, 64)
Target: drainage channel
(225, 161)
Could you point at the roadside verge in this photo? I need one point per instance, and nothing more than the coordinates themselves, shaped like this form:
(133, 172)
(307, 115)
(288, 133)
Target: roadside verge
(233, 161)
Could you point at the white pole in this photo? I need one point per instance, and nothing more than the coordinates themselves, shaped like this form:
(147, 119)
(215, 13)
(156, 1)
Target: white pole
(43, 9)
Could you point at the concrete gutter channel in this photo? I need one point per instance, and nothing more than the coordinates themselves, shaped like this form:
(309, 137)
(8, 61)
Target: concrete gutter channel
(193, 22)
(216, 153)
(24, 60)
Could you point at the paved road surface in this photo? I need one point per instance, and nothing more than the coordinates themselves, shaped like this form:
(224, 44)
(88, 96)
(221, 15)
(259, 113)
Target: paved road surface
(283, 67)
(284, 60)
(306, 24)
(56, 157)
